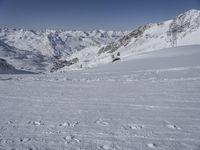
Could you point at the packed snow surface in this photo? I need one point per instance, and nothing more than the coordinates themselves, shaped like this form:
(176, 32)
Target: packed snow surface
(150, 102)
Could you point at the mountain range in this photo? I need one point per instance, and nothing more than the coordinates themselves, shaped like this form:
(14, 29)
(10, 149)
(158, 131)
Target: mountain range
(60, 50)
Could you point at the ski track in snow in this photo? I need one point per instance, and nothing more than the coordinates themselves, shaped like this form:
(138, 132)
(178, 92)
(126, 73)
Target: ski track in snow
(102, 110)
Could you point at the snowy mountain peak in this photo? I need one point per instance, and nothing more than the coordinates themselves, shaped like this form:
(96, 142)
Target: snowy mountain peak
(169, 33)
(191, 17)
(190, 12)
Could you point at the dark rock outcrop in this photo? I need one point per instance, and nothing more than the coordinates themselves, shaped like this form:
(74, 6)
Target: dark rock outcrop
(60, 64)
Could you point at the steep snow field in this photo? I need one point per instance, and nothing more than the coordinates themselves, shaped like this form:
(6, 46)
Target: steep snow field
(150, 102)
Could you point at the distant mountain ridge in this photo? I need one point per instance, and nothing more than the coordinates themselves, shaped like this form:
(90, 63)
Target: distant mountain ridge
(58, 50)
(38, 50)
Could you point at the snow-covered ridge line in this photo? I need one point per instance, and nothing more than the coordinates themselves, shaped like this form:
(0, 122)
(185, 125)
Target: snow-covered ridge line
(182, 30)
(50, 41)
(171, 33)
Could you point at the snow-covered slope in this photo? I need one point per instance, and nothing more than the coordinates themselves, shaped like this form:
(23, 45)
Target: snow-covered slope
(149, 103)
(182, 30)
(38, 50)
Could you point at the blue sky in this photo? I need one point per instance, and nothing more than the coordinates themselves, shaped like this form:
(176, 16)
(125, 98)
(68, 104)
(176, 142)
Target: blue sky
(89, 14)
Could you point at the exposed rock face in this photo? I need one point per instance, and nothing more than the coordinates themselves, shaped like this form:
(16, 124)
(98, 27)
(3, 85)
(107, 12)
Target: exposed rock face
(60, 64)
(124, 40)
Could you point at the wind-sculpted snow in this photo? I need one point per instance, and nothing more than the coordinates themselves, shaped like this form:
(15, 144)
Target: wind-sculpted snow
(150, 102)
